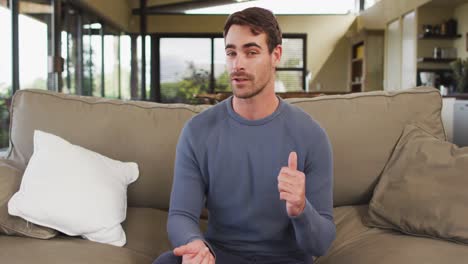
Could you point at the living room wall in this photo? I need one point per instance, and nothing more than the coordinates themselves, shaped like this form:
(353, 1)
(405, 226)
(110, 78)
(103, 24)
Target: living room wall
(461, 15)
(116, 11)
(384, 11)
(324, 34)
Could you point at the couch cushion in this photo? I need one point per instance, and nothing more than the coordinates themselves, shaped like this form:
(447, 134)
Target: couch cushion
(422, 190)
(146, 231)
(143, 132)
(356, 243)
(10, 180)
(66, 250)
(363, 129)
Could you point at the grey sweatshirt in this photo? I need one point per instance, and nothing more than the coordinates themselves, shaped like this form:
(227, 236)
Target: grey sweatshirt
(230, 165)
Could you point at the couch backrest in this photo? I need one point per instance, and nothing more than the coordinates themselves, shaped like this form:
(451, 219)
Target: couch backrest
(143, 132)
(363, 129)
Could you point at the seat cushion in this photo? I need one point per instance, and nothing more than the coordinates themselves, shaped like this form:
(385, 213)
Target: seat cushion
(146, 231)
(146, 239)
(65, 250)
(357, 243)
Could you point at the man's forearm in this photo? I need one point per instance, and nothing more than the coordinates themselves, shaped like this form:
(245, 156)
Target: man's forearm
(182, 228)
(314, 232)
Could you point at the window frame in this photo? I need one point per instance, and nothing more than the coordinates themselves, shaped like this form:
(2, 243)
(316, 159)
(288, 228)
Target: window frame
(156, 58)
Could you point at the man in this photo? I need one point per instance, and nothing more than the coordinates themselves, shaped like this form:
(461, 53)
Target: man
(262, 167)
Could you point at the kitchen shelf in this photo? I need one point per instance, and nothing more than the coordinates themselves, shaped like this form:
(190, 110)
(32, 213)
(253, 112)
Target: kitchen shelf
(422, 36)
(433, 60)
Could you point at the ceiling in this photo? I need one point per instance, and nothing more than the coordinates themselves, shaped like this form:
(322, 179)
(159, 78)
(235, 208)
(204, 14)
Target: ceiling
(177, 6)
(447, 3)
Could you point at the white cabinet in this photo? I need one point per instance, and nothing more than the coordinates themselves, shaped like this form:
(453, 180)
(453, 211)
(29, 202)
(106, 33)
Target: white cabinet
(460, 123)
(455, 120)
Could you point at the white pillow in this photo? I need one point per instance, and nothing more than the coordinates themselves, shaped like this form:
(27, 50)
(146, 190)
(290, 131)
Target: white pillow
(74, 190)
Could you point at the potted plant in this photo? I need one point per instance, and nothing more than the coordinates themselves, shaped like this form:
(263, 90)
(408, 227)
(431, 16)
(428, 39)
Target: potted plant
(460, 70)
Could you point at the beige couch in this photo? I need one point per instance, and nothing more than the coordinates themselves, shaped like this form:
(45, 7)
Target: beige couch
(363, 129)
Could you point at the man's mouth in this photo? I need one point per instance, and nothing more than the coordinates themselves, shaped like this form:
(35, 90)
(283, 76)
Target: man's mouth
(239, 79)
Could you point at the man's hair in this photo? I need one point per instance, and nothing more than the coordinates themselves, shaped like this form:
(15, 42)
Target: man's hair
(260, 21)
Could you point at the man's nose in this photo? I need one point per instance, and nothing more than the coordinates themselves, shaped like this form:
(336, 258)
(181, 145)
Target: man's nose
(238, 64)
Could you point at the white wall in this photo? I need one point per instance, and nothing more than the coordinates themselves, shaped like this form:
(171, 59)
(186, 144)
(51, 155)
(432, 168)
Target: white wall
(408, 51)
(461, 15)
(447, 116)
(393, 56)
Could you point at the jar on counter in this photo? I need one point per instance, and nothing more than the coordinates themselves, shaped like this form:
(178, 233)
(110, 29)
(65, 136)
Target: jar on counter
(437, 53)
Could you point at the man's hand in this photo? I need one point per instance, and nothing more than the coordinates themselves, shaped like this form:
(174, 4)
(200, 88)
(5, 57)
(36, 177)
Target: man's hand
(291, 186)
(195, 252)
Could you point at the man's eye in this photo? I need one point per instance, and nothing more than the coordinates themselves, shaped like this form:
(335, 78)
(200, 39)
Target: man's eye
(252, 52)
(230, 54)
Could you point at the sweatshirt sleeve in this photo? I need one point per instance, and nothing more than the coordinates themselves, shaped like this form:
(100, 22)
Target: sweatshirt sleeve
(314, 228)
(187, 195)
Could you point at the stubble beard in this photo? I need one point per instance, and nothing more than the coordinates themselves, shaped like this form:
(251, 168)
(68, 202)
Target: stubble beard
(252, 93)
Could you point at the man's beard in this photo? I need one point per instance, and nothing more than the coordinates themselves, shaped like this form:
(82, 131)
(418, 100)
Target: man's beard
(248, 95)
(251, 94)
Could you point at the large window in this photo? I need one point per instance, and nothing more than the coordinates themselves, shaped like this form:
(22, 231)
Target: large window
(5, 72)
(97, 58)
(33, 26)
(195, 64)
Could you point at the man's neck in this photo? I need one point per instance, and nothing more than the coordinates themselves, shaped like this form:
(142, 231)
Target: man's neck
(257, 107)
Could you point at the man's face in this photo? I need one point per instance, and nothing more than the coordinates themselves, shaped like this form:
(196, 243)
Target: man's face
(249, 62)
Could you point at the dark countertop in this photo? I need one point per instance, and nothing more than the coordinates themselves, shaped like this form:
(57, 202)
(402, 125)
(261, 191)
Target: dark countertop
(463, 96)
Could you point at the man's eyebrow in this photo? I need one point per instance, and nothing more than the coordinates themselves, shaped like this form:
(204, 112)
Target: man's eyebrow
(247, 45)
(251, 44)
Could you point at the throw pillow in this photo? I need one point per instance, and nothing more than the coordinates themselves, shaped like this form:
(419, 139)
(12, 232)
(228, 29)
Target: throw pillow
(74, 190)
(423, 188)
(10, 179)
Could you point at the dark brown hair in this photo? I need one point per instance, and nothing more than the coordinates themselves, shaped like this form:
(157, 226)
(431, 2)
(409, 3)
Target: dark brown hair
(260, 21)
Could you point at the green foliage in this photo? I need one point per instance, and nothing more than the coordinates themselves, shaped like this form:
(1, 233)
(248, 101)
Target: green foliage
(222, 83)
(292, 63)
(460, 70)
(196, 82)
(5, 99)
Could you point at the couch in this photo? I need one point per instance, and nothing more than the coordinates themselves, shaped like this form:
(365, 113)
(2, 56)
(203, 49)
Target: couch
(363, 129)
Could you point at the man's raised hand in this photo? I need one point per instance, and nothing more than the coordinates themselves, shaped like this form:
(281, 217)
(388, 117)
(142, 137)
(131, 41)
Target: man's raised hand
(291, 186)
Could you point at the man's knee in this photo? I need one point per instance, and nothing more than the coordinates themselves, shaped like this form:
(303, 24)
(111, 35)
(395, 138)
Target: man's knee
(168, 258)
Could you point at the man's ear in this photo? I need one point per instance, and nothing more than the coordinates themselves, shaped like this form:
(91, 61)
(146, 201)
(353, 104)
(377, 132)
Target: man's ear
(276, 55)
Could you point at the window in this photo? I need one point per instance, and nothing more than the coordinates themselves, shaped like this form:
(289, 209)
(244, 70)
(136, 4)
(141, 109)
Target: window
(147, 65)
(33, 24)
(125, 66)
(5, 72)
(184, 72)
(92, 58)
(290, 75)
(201, 69)
(111, 66)
(96, 56)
